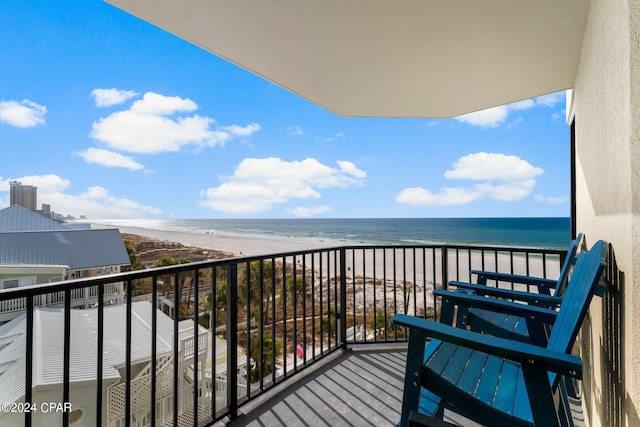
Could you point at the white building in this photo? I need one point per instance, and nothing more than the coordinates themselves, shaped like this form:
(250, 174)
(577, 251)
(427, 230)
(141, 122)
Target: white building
(35, 249)
(48, 366)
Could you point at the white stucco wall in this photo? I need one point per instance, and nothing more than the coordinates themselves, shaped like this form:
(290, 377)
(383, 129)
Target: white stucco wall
(607, 115)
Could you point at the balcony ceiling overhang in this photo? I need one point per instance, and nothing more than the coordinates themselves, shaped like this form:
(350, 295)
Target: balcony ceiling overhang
(374, 58)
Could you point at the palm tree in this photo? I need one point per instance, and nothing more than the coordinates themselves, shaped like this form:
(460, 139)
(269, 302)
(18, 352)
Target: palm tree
(271, 347)
(381, 322)
(134, 264)
(299, 287)
(259, 278)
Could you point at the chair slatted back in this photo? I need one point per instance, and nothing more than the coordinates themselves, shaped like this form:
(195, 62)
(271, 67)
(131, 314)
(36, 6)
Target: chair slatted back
(580, 290)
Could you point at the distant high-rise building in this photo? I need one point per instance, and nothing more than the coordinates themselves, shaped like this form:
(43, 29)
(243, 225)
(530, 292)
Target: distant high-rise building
(23, 195)
(46, 210)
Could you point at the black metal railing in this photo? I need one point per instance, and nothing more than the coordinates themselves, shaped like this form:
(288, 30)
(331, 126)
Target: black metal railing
(192, 343)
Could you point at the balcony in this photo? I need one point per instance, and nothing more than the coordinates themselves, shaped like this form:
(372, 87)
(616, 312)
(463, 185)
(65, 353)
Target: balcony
(80, 297)
(277, 338)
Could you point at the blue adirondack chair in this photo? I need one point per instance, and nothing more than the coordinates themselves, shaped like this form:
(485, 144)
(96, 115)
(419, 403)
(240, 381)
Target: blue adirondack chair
(548, 295)
(543, 285)
(497, 381)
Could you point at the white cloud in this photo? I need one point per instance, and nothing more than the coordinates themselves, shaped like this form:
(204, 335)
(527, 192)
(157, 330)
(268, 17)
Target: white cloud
(558, 115)
(351, 169)
(559, 200)
(508, 191)
(502, 177)
(109, 159)
(236, 130)
(551, 99)
(492, 117)
(258, 185)
(309, 211)
(109, 97)
(94, 202)
(522, 105)
(50, 183)
(295, 131)
(492, 167)
(416, 196)
(152, 125)
(23, 114)
(154, 103)
(335, 137)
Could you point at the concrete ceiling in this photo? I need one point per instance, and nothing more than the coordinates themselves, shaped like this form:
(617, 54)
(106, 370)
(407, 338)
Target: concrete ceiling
(375, 58)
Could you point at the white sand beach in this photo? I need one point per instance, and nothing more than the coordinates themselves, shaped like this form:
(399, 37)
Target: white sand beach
(239, 244)
(255, 244)
(390, 269)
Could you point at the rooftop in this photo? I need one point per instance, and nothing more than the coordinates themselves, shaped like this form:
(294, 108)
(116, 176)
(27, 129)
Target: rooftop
(78, 249)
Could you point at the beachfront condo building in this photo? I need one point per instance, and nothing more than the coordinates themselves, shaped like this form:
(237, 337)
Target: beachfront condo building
(23, 195)
(444, 59)
(431, 58)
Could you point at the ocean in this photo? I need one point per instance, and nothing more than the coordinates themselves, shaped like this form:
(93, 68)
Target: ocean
(548, 233)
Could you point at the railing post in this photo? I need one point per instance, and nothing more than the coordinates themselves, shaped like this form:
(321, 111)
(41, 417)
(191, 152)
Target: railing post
(342, 316)
(445, 267)
(196, 345)
(28, 380)
(154, 345)
(100, 347)
(445, 277)
(177, 361)
(128, 351)
(232, 340)
(66, 361)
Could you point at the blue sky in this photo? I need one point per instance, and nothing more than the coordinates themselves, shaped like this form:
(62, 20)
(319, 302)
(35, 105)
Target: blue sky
(111, 117)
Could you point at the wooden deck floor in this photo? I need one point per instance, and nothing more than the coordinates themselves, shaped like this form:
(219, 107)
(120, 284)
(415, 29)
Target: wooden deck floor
(360, 387)
(357, 388)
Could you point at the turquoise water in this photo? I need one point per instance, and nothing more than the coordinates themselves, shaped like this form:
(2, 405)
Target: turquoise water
(550, 233)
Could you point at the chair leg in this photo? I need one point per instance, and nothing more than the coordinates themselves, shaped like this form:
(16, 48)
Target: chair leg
(419, 420)
(411, 393)
(564, 410)
(543, 405)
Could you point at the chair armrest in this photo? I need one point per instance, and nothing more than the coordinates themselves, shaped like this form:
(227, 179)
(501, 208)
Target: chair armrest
(501, 306)
(523, 353)
(541, 282)
(531, 298)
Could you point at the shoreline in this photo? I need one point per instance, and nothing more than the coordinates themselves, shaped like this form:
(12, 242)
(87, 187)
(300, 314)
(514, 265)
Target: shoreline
(373, 275)
(238, 244)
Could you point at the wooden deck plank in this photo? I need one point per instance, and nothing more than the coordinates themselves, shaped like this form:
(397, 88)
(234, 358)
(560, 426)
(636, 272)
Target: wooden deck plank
(358, 388)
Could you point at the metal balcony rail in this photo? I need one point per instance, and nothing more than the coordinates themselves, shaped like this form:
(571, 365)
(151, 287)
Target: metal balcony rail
(192, 343)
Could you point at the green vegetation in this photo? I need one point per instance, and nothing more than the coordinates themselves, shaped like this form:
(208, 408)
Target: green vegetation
(133, 258)
(297, 288)
(381, 321)
(265, 362)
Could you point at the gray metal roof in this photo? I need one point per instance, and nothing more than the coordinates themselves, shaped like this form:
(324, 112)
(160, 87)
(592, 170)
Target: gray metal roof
(17, 218)
(79, 249)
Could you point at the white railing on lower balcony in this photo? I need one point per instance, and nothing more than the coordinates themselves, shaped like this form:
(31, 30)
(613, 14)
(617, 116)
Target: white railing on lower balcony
(81, 297)
(141, 392)
(221, 390)
(186, 343)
